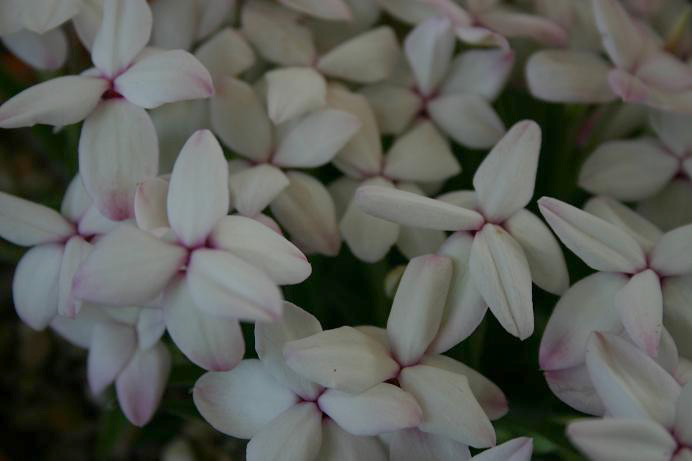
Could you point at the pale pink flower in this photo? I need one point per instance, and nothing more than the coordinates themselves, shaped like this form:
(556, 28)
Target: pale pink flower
(118, 145)
(205, 268)
(455, 94)
(498, 246)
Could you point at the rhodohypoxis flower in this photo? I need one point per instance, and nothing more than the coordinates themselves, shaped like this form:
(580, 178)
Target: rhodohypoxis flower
(118, 146)
(649, 415)
(456, 401)
(299, 202)
(179, 24)
(640, 69)
(498, 246)
(212, 269)
(42, 286)
(300, 85)
(124, 349)
(645, 168)
(650, 268)
(421, 155)
(454, 94)
(284, 414)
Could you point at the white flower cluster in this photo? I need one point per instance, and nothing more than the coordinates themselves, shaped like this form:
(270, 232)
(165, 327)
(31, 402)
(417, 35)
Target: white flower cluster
(161, 233)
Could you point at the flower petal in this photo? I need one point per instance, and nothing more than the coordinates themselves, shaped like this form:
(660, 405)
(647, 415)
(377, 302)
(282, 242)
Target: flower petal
(339, 445)
(27, 223)
(41, 51)
(200, 175)
(413, 445)
(505, 180)
(210, 341)
(150, 204)
(294, 434)
(672, 254)
(242, 401)
(640, 304)
(35, 285)
(429, 48)
(118, 148)
(174, 24)
(519, 449)
(480, 72)
(415, 210)
(112, 346)
(333, 10)
(253, 189)
(677, 315)
(683, 420)
(671, 207)
(468, 119)
(418, 306)
(42, 16)
(501, 273)
(294, 91)
(343, 359)
(621, 38)
(574, 387)
(394, 106)
(673, 130)
(150, 366)
(227, 53)
(522, 25)
(127, 267)
(76, 251)
(597, 242)
(262, 247)
(58, 102)
(124, 31)
(161, 77)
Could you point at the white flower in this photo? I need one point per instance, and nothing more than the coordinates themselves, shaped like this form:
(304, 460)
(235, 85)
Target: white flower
(652, 270)
(649, 414)
(179, 24)
(282, 413)
(421, 155)
(212, 269)
(299, 202)
(498, 247)
(118, 146)
(42, 286)
(454, 93)
(124, 349)
(456, 401)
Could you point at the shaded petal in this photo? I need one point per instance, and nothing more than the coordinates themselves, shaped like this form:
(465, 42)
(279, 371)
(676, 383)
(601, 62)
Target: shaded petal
(671, 207)
(519, 449)
(480, 72)
(683, 419)
(227, 53)
(673, 130)
(414, 445)
(343, 359)
(127, 267)
(449, 406)
(76, 200)
(574, 387)
(468, 119)
(161, 77)
(600, 244)
(43, 15)
(113, 345)
(200, 176)
(511, 24)
(501, 273)
(640, 304)
(621, 38)
(41, 51)
(118, 148)
(505, 180)
(224, 284)
(242, 401)
(672, 255)
(150, 366)
(150, 325)
(339, 445)
(27, 223)
(58, 102)
(294, 91)
(124, 31)
(210, 341)
(35, 285)
(150, 204)
(429, 48)
(415, 210)
(395, 107)
(677, 315)
(334, 10)
(254, 188)
(294, 434)
(76, 251)
(79, 330)
(174, 24)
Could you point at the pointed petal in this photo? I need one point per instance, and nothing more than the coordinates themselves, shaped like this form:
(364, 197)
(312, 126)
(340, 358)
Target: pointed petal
(333, 10)
(35, 285)
(315, 139)
(242, 401)
(294, 91)
(366, 58)
(27, 224)
(150, 366)
(404, 161)
(394, 106)
(42, 16)
(627, 170)
(150, 326)
(339, 445)
(112, 346)
(672, 255)
(468, 119)
(505, 180)
(210, 341)
(415, 210)
(522, 25)
(519, 449)
(568, 76)
(76, 251)
(413, 445)
(672, 130)
(677, 315)
(501, 273)
(622, 39)
(640, 305)
(671, 207)
(262, 247)
(79, 330)
(58, 102)
(609, 439)
(683, 419)
(76, 200)
(418, 306)
(150, 204)
(294, 434)
(200, 175)
(343, 359)
(414, 242)
(449, 406)
(41, 51)
(630, 383)
(480, 72)
(574, 387)
(253, 189)
(306, 210)
(161, 77)
(174, 24)
(598, 243)
(118, 148)
(123, 33)
(429, 48)
(368, 237)
(227, 53)
(223, 284)
(127, 267)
